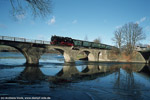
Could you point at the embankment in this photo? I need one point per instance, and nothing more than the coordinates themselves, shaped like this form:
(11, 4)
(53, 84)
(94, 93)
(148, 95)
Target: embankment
(112, 56)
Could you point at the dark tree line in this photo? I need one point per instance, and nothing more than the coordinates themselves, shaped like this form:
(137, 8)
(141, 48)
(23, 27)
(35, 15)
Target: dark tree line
(97, 40)
(127, 36)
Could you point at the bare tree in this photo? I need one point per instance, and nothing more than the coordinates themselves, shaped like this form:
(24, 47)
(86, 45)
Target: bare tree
(97, 40)
(40, 8)
(118, 38)
(132, 34)
(128, 36)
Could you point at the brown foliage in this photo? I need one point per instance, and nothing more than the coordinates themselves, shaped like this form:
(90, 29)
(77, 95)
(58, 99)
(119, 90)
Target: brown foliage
(97, 40)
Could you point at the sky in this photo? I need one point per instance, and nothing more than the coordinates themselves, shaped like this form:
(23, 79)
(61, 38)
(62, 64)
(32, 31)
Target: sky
(78, 19)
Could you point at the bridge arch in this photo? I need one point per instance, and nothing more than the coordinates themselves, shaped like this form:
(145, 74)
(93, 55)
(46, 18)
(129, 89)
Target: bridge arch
(59, 50)
(146, 56)
(67, 55)
(99, 55)
(29, 50)
(89, 55)
(20, 50)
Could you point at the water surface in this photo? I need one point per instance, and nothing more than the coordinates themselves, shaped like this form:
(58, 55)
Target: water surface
(81, 80)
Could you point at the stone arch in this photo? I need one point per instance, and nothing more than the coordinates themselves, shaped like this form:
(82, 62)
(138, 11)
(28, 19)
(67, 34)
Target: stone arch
(59, 50)
(146, 56)
(30, 51)
(20, 50)
(65, 53)
(31, 54)
(90, 56)
(99, 55)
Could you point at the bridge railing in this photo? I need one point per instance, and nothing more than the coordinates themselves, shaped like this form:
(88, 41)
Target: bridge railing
(23, 40)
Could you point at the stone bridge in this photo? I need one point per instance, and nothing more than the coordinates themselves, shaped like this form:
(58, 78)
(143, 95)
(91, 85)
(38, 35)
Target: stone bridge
(33, 49)
(146, 54)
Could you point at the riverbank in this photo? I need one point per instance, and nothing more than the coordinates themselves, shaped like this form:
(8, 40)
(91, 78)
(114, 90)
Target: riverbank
(113, 56)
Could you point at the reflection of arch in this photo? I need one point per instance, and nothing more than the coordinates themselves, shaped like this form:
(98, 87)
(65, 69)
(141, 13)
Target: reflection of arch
(91, 69)
(104, 68)
(31, 74)
(145, 69)
(149, 60)
(145, 72)
(68, 71)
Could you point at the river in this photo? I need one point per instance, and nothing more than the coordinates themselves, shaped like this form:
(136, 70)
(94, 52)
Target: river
(53, 79)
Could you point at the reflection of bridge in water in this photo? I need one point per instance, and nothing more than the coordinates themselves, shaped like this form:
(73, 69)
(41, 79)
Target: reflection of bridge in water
(67, 73)
(122, 80)
(72, 74)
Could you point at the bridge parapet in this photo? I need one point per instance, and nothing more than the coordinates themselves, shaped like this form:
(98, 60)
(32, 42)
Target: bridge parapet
(146, 48)
(16, 39)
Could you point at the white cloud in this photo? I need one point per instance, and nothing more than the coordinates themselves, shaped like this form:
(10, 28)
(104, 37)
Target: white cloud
(20, 17)
(51, 21)
(74, 21)
(141, 20)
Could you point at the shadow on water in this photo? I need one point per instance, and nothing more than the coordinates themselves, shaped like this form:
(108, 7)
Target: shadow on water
(95, 81)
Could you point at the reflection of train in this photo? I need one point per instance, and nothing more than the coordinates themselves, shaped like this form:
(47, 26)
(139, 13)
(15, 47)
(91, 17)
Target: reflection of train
(67, 41)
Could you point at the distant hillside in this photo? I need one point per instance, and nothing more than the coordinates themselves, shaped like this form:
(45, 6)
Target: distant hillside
(7, 49)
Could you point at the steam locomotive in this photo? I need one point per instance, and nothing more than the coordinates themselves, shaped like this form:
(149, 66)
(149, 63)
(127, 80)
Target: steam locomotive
(67, 41)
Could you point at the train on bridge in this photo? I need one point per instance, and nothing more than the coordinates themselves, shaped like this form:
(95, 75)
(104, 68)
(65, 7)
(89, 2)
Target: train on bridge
(67, 41)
